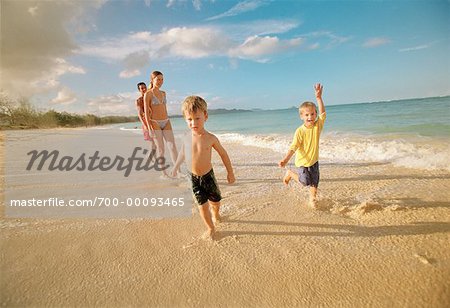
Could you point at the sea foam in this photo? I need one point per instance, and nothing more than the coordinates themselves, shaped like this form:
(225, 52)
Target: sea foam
(418, 153)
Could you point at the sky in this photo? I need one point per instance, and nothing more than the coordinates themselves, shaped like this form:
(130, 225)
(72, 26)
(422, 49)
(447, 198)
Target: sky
(88, 56)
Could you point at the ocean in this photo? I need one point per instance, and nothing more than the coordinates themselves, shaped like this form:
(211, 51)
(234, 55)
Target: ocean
(413, 133)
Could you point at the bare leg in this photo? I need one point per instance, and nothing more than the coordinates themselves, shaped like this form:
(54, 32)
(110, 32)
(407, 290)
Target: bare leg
(215, 206)
(205, 214)
(152, 148)
(159, 145)
(159, 142)
(312, 197)
(170, 140)
(289, 175)
(152, 145)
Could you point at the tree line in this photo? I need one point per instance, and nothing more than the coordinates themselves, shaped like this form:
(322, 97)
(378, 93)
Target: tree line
(22, 115)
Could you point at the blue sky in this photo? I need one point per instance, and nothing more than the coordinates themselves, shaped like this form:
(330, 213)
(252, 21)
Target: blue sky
(87, 56)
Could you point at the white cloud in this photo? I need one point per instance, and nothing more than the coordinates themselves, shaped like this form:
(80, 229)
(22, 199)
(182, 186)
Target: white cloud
(135, 50)
(114, 104)
(170, 3)
(28, 59)
(255, 47)
(133, 63)
(117, 48)
(62, 67)
(33, 10)
(65, 97)
(241, 7)
(414, 48)
(214, 101)
(50, 80)
(314, 46)
(376, 42)
(97, 3)
(324, 38)
(143, 36)
(193, 42)
(129, 73)
(259, 27)
(265, 27)
(138, 49)
(197, 4)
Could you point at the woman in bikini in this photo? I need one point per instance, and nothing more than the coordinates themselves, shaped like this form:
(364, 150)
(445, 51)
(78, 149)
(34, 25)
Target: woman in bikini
(157, 118)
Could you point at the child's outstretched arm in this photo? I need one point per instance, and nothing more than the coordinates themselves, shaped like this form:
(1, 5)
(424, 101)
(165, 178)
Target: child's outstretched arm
(286, 159)
(225, 159)
(318, 89)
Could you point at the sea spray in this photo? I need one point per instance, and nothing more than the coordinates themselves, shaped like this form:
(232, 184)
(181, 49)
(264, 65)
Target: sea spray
(418, 152)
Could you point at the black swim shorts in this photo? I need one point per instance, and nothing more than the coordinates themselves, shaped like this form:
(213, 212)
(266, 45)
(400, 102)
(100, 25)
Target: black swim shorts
(309, 176)
(205, 188)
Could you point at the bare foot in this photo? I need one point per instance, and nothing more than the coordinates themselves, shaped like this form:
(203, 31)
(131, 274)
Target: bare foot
(287, 177)
(165, 175)
(217, 219)
(313, 204)
(208, 235)
(215, 214)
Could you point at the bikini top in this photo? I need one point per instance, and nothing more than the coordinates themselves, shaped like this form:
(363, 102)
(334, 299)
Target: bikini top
(156, 101)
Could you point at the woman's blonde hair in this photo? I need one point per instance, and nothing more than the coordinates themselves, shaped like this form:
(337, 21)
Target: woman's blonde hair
(153, 75)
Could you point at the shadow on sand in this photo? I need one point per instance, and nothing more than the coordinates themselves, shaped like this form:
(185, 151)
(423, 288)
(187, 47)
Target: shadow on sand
(419, 228)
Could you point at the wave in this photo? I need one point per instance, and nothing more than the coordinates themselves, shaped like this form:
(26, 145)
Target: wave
(134, 129)
(130, 128)
(412, 152)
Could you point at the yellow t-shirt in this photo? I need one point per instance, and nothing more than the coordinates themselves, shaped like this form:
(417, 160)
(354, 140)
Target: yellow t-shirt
(306, 143)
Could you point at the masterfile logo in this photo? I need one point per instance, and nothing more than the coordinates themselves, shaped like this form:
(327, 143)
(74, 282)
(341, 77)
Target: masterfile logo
(94, 162)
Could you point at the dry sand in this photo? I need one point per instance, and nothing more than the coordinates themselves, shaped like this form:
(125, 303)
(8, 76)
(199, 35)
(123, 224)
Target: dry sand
(380, 239)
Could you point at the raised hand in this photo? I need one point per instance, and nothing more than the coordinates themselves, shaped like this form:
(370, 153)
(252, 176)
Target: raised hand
(318, 88)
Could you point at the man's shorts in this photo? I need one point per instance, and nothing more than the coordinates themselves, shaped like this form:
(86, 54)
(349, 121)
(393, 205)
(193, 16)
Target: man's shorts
(205, 188)
(309, 176)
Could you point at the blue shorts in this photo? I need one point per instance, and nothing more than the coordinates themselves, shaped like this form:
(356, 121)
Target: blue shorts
(204, 188)
(309, 176)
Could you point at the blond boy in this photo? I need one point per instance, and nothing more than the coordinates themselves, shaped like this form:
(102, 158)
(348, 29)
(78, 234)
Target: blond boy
(204, 184)
(305, 145)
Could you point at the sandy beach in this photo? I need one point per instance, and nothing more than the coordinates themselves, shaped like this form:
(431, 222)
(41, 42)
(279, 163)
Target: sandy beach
(380, 238)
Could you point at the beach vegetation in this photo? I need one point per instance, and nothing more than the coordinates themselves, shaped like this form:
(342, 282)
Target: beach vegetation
(21, 114)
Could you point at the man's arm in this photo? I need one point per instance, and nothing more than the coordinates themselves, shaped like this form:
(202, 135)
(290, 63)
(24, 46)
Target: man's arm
(318, 89)
(140, 113)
